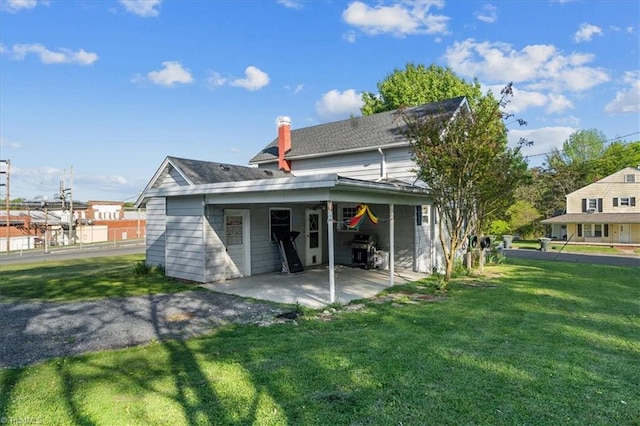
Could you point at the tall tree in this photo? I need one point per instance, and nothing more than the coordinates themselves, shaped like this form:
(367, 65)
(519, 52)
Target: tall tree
(583, 146)
(418, 85)
(466, 163)
(617, 156)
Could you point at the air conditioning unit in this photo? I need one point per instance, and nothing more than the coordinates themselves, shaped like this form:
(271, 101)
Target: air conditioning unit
(591, 210)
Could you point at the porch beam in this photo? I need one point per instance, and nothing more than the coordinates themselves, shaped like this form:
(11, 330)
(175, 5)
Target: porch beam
(332, 278)
(391, 245)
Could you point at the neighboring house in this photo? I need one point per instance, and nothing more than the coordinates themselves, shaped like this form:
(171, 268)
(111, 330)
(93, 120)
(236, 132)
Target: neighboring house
(208, 221)
(606, 211)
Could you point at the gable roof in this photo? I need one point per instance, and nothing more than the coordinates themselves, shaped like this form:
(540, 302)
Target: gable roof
(198, 172)
(354, 134)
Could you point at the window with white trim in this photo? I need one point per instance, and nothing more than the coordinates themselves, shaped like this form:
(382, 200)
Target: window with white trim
(630, 178)
(593, 230)
(279, 223)
(345, 214)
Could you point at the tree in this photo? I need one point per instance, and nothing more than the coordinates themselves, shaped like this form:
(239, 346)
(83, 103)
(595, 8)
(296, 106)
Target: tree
(465, 162)
(583, 146)
(418, 85)
(617, 156)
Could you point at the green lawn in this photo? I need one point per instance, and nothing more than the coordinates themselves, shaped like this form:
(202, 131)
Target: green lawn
(557, 246)
(82, 279)
(537, 343)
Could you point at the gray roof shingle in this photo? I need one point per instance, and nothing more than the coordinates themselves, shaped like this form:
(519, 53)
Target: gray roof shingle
(356, 133)
(203, 172)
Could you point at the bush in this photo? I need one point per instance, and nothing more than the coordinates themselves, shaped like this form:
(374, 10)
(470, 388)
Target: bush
(141, 269)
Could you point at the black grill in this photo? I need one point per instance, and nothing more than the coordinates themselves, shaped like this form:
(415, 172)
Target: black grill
(363, 250)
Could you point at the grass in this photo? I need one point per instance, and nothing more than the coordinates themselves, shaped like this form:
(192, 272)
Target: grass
(555, 246)
(83, 279)
(528, 343)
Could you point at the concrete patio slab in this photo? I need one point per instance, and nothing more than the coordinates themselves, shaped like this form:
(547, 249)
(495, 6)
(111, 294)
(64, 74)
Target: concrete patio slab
(310, 288)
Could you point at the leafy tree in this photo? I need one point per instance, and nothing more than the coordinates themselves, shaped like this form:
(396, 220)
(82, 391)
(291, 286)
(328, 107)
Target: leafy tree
(583, 146)
(466, 163)
(418, 85)
(617, 156)
(523, 216)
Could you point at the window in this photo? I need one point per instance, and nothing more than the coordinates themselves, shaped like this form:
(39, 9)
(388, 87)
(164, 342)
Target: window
(279, 223)
(588, 230)
(591, 205)
(345, 214)
(630, 178)
(596, 230)
(624, 202)
(234, 230)
(422, 215)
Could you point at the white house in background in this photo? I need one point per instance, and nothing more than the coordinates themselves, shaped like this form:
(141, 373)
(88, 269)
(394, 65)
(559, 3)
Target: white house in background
(208, 221)
(606, 211)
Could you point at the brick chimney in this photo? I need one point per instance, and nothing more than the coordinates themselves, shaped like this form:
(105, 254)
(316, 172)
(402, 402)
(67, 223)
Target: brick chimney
(284, 142)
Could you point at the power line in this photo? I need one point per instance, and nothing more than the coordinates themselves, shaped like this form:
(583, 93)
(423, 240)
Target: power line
(562, 150)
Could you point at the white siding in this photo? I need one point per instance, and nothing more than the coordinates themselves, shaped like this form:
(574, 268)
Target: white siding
(215, 250)
(173, 178)
(156, 227)
(185, 206)
(362, 165)
(185, 248)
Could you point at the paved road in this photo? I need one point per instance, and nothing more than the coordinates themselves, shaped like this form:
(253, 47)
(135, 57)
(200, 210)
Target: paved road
(73, 252)
(574, 257)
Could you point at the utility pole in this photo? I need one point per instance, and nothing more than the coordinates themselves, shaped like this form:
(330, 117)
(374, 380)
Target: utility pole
(7, 200)
(63, 198)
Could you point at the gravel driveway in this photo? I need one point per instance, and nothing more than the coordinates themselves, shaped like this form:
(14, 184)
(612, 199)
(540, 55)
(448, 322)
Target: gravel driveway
(34, 332)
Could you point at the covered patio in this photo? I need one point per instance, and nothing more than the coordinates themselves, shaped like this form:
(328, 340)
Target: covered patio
(311, 288)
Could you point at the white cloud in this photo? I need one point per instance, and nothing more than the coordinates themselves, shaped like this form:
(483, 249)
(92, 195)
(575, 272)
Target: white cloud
(291, 4)
(627, 100)
(14, 6)
(586, 32)
(46, 56)
(144, 8)
(400, 19)
(525, 99)
(488, 14)
(540, 66)
(172, 73)
(335, 104)
(254, 79)
(545, 140)
(7, 144)
(350, 36)
(215, 80)
(297, 89)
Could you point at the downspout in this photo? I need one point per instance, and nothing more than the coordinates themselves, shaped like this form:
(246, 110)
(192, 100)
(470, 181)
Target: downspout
(383, 166)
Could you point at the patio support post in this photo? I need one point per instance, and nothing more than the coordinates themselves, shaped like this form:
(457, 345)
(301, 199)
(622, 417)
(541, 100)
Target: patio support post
(332, 278)
(391, 245)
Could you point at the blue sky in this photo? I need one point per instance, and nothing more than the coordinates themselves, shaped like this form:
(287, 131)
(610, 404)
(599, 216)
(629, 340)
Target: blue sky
(109, 88)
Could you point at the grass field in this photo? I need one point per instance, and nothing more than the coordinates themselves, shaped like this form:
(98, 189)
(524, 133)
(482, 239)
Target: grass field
(83, 279)
(529, 343)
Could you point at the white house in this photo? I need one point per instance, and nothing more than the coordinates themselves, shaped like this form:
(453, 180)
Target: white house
(208, 221)
(606, 211)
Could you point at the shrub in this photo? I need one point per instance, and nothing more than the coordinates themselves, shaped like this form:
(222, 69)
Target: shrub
(141, 269)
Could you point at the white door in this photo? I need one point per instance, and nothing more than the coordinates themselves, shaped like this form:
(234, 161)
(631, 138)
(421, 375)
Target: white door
(625, 233)
(313, 233)
(236, 231)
